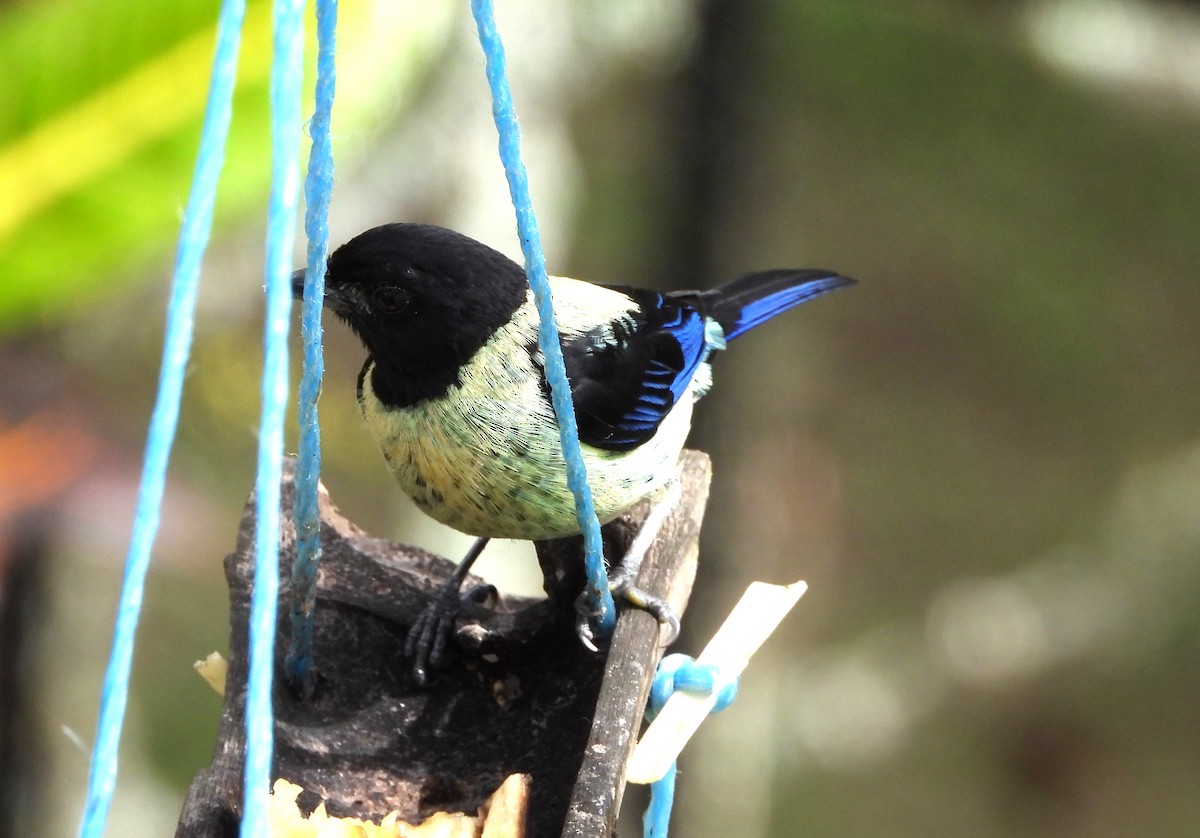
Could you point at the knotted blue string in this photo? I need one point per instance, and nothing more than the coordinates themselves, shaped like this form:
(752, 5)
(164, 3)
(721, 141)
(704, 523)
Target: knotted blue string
(287, 72)
(177, 342)
(679, 672)
(599, 597)
(318, 186)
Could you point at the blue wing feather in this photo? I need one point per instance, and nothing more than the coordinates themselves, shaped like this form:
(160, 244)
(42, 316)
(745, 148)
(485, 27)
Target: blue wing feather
(627, 375)
(625, 384)
(763, 309)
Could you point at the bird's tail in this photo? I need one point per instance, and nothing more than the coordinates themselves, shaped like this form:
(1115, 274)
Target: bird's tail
(745, 302)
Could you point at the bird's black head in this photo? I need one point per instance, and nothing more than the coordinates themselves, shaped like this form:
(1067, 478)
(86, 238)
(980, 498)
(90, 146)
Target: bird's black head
(423, 300)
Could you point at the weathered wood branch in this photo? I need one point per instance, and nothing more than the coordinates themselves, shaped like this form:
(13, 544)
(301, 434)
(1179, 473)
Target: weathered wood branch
(520, 696)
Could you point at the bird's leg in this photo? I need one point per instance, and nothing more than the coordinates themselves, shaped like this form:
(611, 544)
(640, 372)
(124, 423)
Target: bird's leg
(426, 641)
(622, 581)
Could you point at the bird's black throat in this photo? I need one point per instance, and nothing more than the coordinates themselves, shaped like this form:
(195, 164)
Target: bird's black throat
(396, 388)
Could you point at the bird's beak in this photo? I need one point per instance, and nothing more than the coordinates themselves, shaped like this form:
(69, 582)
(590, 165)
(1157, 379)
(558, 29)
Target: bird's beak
(334, 299)
(298, 284)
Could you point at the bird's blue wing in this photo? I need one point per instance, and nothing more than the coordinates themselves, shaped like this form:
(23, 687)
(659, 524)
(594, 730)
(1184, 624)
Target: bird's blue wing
(627, 375)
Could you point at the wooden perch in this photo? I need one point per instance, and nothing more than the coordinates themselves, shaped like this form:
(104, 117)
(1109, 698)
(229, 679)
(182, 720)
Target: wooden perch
(521, 696)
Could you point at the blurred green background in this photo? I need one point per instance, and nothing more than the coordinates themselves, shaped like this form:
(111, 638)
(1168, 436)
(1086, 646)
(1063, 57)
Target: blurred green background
(984, 459)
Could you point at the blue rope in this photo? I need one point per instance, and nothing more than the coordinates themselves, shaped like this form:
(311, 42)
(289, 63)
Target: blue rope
(679, 672)
(287, 73)
(317, 188)
(662, 799)
(177, 341)
(599, 596)
(197, 223)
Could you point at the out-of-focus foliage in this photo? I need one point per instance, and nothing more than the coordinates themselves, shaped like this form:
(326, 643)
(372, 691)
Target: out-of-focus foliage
(100, 118)
(983, 459)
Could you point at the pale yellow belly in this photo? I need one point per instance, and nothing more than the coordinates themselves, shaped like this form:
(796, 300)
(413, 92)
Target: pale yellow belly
(479, 465)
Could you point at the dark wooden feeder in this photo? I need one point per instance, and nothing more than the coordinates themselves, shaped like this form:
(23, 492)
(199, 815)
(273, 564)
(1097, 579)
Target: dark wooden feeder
(521, 695)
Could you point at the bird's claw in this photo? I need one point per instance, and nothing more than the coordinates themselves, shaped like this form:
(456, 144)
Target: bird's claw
(425, 645)
(656, 607)
(584, 614)
(625, 591)
(621, 582)
(426, 641)
(481, 595)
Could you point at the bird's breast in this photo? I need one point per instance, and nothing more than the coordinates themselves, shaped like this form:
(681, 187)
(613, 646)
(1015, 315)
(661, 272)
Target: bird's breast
(486, 458)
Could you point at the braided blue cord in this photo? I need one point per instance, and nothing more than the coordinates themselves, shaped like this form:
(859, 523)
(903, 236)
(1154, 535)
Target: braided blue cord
(287, 73)
(679, 672)
(317, 188)
(193, 237)
(599, 596)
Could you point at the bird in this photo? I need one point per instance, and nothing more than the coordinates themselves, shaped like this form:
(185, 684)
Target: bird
(454, 389)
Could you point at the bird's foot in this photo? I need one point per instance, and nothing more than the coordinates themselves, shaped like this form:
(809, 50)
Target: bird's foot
(625, 593)
(656, 607)
(425, 646)
(584, 615)
(621, 582)
(426, 642)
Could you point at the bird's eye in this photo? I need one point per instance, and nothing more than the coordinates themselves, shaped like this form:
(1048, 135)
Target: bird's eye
(389, 300)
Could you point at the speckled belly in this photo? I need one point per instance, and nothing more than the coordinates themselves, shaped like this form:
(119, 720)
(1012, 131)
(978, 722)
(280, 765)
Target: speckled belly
(481, 466)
